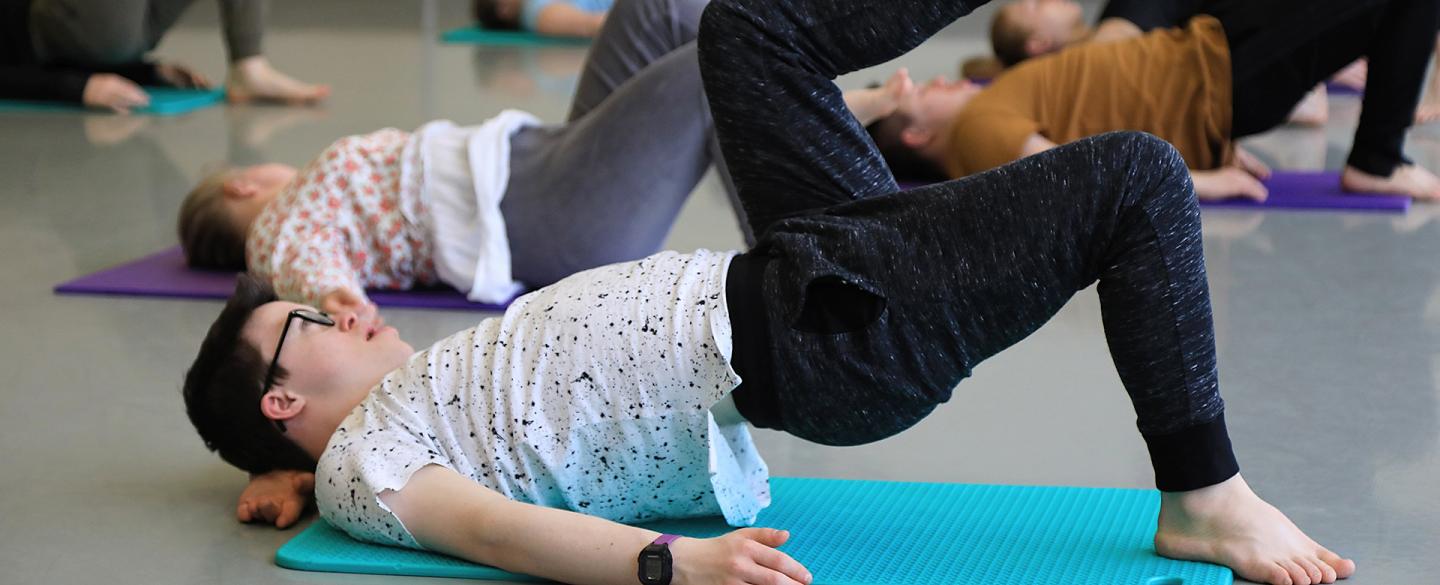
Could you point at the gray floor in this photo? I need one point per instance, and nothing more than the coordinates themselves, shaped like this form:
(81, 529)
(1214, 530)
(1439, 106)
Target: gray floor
(1327, 326)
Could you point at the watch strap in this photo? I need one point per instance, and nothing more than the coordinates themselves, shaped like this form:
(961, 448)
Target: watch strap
(666, 539)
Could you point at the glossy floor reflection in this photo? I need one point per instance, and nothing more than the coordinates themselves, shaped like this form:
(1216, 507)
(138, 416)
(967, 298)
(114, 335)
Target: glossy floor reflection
(1327, 325)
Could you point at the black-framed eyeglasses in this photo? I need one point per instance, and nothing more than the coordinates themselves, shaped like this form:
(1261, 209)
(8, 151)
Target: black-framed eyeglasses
(315, 317)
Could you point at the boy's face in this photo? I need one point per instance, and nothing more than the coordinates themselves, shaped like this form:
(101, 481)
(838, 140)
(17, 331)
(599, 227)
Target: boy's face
(934, 105)
(335, 365)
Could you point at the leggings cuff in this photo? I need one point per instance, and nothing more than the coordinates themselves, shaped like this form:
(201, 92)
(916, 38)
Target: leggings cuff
(1193, 458)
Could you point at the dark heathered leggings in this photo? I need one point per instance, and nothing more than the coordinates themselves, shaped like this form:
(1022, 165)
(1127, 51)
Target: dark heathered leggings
(862, 307)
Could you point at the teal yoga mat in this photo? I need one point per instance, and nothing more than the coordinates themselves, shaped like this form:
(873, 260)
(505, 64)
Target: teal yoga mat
(474, 35)
(872, 533)
(164, 101)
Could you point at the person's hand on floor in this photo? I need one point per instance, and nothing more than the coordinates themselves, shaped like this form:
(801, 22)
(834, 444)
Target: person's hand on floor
(113, 92)
(177, 75)
(278, 497)
(746, 555)
(1251, 164)
(1226, 183)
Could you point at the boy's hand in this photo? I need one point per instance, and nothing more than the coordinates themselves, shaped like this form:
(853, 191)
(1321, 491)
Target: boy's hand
(278, 497)
(744, 556)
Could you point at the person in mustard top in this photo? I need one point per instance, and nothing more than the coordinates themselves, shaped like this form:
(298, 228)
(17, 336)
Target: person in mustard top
(1199, 87)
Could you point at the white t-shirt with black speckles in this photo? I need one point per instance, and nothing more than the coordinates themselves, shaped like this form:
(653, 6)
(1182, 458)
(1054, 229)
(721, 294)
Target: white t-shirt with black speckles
(592, 395)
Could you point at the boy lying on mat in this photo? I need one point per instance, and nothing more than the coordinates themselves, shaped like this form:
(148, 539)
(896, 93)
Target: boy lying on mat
(625, 392)
(1200, 87)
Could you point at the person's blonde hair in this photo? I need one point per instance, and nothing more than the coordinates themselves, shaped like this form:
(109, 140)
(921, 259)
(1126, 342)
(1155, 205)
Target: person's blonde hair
(1008, 36)
(208, 234)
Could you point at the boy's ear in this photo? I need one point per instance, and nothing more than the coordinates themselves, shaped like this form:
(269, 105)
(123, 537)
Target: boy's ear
(239, 188)
(1038, 44)
(281, 405)
(915, 137)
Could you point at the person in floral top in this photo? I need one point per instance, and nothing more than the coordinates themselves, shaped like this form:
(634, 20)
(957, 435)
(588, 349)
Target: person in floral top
(489, 209)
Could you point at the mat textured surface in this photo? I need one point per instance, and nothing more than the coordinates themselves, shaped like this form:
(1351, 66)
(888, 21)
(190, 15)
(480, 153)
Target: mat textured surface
(164, 101)
(871, 533)
(164, 274)
(474, 35)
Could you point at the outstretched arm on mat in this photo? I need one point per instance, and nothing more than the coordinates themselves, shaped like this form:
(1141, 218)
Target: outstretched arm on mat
(449, 513)
(1241, 180)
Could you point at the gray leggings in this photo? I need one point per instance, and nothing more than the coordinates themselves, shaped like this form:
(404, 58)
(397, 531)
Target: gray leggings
(111, 32)
(606, 186)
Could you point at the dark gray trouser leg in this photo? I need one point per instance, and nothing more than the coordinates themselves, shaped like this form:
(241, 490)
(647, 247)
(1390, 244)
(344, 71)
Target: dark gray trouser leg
(607, 187)
(87, 33)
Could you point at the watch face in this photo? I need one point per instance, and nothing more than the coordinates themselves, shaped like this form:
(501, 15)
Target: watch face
(653, 569)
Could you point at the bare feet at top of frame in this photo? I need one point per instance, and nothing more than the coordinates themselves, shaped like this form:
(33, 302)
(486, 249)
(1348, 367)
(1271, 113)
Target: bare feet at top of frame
(255, 79)
(1228, 524)
(1410, 180)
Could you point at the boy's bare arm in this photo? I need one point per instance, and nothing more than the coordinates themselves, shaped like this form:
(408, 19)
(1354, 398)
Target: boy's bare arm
(447, 512)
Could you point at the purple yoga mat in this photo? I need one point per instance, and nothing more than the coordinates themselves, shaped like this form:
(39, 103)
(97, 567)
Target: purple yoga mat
(1336, 89)
(165, 274)
(1316, 190)
(1302, 190)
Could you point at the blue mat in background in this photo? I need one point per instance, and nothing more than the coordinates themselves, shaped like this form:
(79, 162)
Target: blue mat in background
(164, 101)
(474, 35)
(851, 532)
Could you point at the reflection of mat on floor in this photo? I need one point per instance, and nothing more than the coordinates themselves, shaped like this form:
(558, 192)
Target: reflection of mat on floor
(1303, 190)
(873, 533)
(474, 35)
(164, 101)
(165, 274)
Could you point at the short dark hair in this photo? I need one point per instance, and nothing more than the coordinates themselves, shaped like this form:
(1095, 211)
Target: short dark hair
(487, 13)
(223, 388)
(1008, 37)
(907, 164)
(207, 233)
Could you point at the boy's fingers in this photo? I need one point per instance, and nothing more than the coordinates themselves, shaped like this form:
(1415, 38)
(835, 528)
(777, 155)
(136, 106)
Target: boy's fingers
(289, 513)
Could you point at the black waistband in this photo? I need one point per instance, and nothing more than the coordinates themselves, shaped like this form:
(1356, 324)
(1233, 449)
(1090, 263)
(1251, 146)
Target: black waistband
(750, 357)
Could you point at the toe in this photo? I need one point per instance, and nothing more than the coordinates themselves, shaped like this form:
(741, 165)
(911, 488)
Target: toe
(1297, 573)
(1279, 576)
(1312, 569)
(1327, 573)
(1343, 567)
